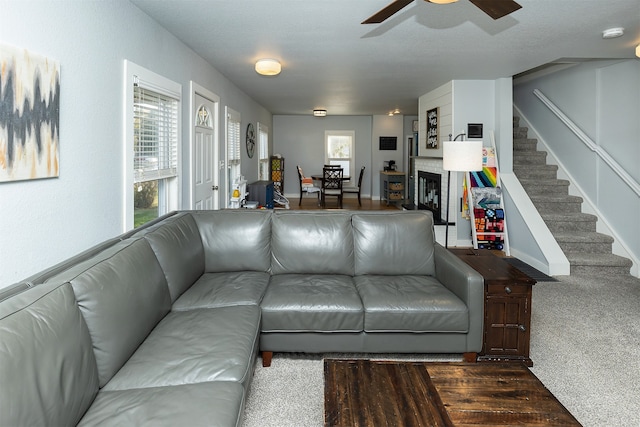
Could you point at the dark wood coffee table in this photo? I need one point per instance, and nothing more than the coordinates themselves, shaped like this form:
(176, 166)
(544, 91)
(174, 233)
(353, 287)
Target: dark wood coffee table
(363, 393)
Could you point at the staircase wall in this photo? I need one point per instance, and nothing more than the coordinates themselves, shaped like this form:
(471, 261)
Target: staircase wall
(603, 99)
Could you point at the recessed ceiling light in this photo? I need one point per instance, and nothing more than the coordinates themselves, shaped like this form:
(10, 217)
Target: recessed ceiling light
(612, 33)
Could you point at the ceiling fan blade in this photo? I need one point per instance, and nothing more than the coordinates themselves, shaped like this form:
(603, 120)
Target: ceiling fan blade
(387, 12)
(497, 8)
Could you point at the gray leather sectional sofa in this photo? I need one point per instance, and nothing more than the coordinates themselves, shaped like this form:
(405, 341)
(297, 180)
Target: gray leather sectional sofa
(162, 326)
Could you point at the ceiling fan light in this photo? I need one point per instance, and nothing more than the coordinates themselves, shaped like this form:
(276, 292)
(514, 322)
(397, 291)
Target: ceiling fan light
(268, 67)
(442, 1)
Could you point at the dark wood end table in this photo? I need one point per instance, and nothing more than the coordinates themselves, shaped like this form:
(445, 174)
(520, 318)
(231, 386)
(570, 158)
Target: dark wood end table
(507, 307)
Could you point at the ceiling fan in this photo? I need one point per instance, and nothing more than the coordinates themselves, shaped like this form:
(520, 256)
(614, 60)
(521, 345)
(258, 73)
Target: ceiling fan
(494, 8)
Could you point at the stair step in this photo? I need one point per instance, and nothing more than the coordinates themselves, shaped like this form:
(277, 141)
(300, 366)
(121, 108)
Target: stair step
(516, 121)
(588, 243)
(598, 264)
(520, 132)
(529, 158)
(524, 172)
(525, 144)
(557, 204)
(570, 222)
(545, 186)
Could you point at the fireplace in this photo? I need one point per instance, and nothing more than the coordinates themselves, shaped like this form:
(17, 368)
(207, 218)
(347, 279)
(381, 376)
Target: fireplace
(429, 188)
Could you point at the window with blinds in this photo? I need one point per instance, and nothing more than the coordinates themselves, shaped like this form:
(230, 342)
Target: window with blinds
(155, 135)
(233, 150)
(263, 152)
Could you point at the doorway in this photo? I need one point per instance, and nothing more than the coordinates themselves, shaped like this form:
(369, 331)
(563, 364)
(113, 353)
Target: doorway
(204, 149)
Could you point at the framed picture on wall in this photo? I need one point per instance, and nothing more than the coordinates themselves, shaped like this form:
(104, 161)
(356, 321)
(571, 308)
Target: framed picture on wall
(388, 143)
(432, 127)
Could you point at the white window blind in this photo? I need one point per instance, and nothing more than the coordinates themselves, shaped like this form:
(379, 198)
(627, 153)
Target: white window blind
(155, 135)
(263, 152)
(233, 139)
(233, 151)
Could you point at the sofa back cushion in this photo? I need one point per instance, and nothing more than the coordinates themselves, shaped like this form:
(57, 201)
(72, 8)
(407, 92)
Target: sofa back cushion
(235, 240)
(122, 294)
(179, 250)
(313, 242)
(394, 243)
(48, 373)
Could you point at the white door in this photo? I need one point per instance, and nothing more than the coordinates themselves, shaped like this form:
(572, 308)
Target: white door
(205, 153)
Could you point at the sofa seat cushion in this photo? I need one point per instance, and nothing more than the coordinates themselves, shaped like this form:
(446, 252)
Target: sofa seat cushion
(48, 373)
(410, 304)
(311, 303)
(218, 403)
(195, 346)
(224, 289)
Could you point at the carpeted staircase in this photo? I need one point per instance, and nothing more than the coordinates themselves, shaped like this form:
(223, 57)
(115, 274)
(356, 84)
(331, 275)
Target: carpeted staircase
(588, 252)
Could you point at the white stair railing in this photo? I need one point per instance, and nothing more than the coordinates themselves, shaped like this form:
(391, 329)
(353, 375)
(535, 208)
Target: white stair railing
(602, 153)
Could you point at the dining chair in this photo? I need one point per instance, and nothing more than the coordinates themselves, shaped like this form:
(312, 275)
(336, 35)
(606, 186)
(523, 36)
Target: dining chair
(358, 189)
(331, 184)
(306, 186)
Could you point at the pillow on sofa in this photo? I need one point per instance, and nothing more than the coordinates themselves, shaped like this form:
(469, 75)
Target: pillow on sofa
(313, 242)
(48, 373)
(179, 250)
(235, 240)
(394, 243)
(122, 294)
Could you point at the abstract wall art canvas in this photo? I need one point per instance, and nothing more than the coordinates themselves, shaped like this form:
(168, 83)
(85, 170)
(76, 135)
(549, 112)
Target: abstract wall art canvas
(29, 115)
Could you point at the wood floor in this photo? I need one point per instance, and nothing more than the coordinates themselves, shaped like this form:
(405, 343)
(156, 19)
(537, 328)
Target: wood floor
(363, 393)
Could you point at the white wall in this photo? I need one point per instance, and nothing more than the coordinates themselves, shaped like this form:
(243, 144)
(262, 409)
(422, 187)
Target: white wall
(603, 99)
(441, 98)
(45, 221)
(385, 126)
(300, 140)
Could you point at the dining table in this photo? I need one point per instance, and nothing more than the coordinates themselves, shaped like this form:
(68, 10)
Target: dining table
(319, 178)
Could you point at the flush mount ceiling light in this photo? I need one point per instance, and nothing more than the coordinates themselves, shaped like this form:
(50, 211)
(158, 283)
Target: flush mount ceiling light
(268, 67)
(442, 1)
(319, 113)
(612, 33)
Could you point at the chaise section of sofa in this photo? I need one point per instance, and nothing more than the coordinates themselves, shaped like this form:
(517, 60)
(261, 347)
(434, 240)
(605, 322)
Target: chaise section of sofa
(49, 374)
(144, 351)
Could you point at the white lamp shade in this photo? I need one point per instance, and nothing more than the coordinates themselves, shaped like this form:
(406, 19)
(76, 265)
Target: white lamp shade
(268, 67)
(462, 156)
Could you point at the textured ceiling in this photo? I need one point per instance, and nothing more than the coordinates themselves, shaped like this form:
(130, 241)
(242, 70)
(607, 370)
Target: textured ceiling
(332, 61)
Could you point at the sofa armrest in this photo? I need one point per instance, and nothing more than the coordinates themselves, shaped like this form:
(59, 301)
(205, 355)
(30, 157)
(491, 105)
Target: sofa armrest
(468, 285)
